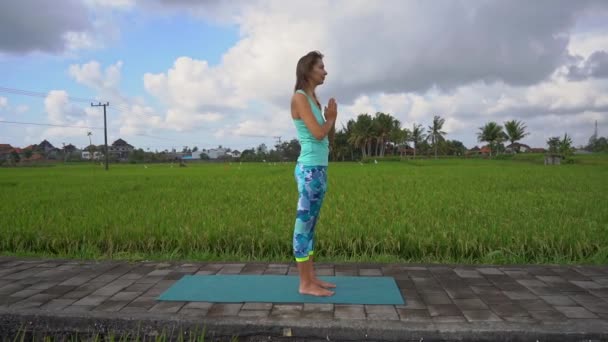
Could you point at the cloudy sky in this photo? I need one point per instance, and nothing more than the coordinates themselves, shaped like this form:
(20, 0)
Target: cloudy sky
(208, 73)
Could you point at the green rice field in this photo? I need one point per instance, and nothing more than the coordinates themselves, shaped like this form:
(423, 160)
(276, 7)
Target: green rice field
(439, 211)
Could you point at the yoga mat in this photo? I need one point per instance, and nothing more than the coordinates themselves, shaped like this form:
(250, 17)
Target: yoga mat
(281, 289)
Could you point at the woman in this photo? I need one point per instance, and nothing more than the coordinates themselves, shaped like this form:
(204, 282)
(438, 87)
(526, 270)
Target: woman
(314, 132)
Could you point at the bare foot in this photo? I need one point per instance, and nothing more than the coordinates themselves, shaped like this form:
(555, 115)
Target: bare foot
(324, 284)
(315, 290)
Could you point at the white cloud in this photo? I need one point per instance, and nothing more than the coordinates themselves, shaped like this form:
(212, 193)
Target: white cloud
(91, 75)
(3, 102)
(115, 4)
(61, 112)
(22, 109)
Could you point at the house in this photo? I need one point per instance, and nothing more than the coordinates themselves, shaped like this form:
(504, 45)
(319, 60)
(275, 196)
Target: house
(485, 150)
(235, 154)
(120, 149)
(474, 151)
(45, 147)
(405, 150)
(5, 151)
(517, 148)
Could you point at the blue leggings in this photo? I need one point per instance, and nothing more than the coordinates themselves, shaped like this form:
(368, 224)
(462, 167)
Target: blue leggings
(312, 185)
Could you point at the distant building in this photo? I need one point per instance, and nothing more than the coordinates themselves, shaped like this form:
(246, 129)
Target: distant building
(120, 148)
(517, 148)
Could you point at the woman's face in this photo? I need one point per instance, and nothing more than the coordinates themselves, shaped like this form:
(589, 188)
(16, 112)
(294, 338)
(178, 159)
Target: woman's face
(318, 73)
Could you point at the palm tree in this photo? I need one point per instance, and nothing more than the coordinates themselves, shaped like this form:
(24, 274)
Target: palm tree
(382, 126)
(435, 132)
(565, 146)
(515, 131)
(416, 136)
(399, 136)
(362, 134)
(491, 133)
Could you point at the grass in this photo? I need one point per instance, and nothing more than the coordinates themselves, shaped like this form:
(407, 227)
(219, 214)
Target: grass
(444, 211)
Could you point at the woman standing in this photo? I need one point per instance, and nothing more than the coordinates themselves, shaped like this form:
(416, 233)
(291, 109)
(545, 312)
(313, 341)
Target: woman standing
(314, 132)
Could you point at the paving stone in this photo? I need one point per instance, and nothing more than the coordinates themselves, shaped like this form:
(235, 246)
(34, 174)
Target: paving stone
(602, 293)
(281, 311)
(575, 312)
(470, 304)
(253, 269)
(444, 310)
(57, 304)
(381, 312)
(558, 300)
(318, 307)
(167, 306)
(34, 301)
(520, 295)
(520, 319)
(162, 272)
(509, 310)
(548, 316)
(489, 270)
(349, 312)
(140, 304)
(414, 315)
(254, 313)
(91, 300)
(25, 293)
(317, 315)
(198, 305)
(78, 308)
(412, 304)
(138, 287)
(112, 305)
(448, 319)
(10, 289)
(370, 272)
(436, 298)
(233, 269)
(465, 293)
(535, 305)
(231, 309)
(325, 271)
(281, 270)
(256, 306)
(125, 296)
(200, 313)
(481, 316)
(587, 285)
(149, 280)
(59, 290)
(44, 285)
(463, 273)
(531, 283)
(346, 271)
(519, 274)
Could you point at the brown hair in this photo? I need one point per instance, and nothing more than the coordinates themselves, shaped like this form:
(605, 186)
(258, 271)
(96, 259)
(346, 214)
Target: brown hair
(304, 67)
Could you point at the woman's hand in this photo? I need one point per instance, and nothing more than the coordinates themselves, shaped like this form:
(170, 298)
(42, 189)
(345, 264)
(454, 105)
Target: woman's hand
(331, 110)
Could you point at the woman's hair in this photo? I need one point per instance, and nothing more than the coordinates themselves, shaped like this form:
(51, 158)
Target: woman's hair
(304, 67)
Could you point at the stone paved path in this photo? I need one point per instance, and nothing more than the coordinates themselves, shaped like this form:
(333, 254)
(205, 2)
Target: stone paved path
(449, 302)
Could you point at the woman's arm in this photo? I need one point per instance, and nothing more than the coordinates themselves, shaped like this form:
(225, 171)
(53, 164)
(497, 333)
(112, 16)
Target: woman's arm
(301, 106)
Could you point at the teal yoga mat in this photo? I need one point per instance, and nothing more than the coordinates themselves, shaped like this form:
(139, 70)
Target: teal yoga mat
(281, 289)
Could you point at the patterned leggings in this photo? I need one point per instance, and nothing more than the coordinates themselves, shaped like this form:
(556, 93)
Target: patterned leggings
(312, 185)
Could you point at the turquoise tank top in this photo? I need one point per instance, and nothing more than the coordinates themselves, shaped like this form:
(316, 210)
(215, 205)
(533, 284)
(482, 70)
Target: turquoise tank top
(313, 152)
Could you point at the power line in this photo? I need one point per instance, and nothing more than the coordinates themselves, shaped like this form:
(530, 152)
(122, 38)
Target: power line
(38, 94)
(41, 124)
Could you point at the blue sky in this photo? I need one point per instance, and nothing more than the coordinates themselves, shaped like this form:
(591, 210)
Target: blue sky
(192, 73)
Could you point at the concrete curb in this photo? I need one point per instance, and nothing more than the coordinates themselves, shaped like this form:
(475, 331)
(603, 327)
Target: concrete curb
(151, 325)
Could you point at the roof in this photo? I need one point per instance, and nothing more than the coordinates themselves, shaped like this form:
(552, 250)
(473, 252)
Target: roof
(5, 147)
(516, 144)
(486, 149)
(120, 142)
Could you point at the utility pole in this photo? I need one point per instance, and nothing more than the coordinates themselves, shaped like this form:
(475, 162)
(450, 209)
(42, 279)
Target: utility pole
(105, 128)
